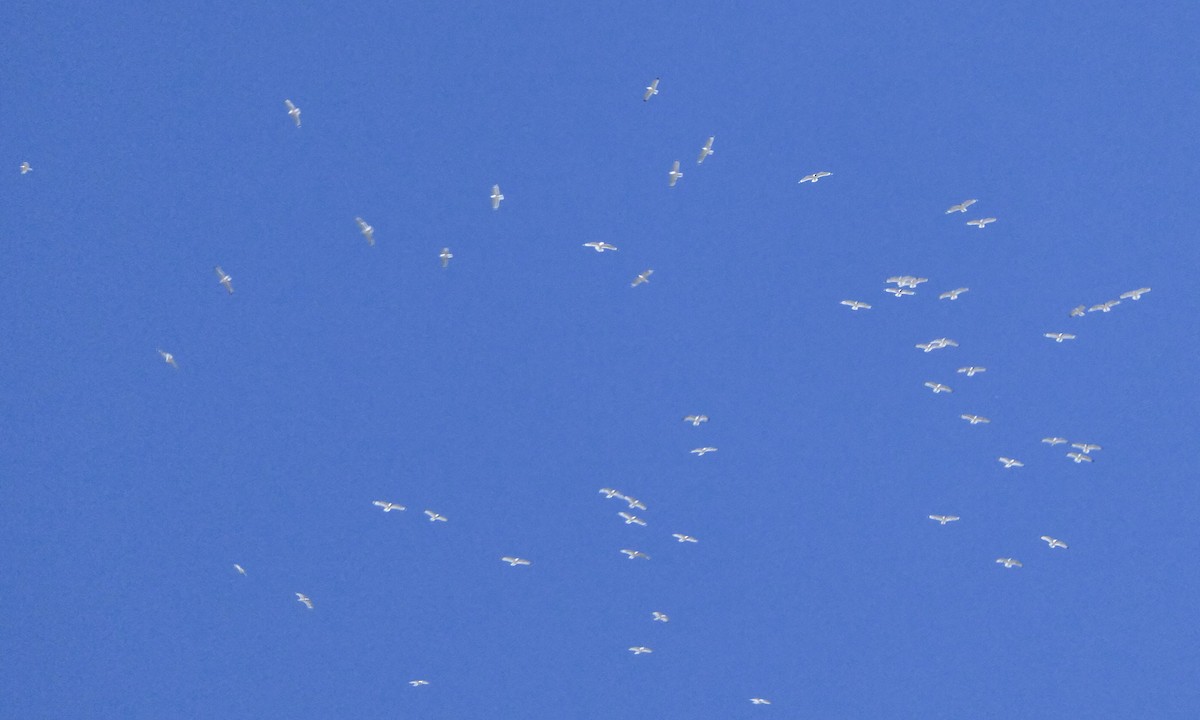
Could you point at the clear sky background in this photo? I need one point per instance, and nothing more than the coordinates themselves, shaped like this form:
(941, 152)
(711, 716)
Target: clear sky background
(506, 389)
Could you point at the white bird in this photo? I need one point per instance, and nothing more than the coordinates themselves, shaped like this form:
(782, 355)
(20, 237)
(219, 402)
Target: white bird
(981, 222)
(600, 246)
(25, 168)
(634, 554)
(642, 278)
(952, 294)
(699, 452)
(445, 255)
(1077, 311)
(387, 506)
(856, 305)
(301, 597)
(1052, 441)
(434, 516)
(1104, 306)
(1086, 448)
(910, 281)
(970, 370)
(899, 291)
(945, 342)
(168, 358)
(638, 650)
(1134, 294)
(367, 231)
(496, 197)
(241, 570)
(609, 493)
(418, 683)
(815, 176)
(224, 279)
(962, 206)
(1059, 337)
(651, 89)
(938, 387)
(706, 150)
(632, 519)
(1054, 542)
(1010, 463)
(515, 561)
(634, 503)
(943, 519)
(1079, 457)
(660, 617)
(695, 420)
(675, 174)
(680, 537)
(760, 701)
(975, 419)
(293, 111)
(1009, 562)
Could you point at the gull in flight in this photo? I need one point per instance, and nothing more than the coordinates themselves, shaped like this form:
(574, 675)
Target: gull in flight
(643, 278)
(815, 176)
(706, 150)
(418, 683)
(970, 370)
(168, 358)
(224, 279)
(25, 168)
(660, 617)
(1077, 311)
(632, 519)
(695, 420)
(981, 222)
(899, 291)
(651, 89)
(496, 197)
(938, 388)
(856, 305)
(1052, 441)
(680, 537)
(1105, 306)
(699, 452)
(1059, 337)
(434, 516)
(1054, 542)
(609, 493)
(1086, 448)
(760, 701)
(952, 294)
(1010, 463)
(910, 281)
(446, 255)
(634, 554)
(975, 419)
(943, 519)
(634, 503)
(293, 111)
(387, 506)
(937, 344)
(367, 231)
(675, 174)
(1009, 562)
(600, 246)
(1134, 294)
(640, 649)
(241, 570)
(301, 597)
(962, 206)
(514, 561)
(1079, 457)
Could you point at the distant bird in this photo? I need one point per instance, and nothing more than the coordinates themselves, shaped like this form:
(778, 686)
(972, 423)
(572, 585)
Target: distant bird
(1134, 294)
(695, 420)
(1086, 448)
(1052, 441)
(434, 516)
(632, 519)
(760, 701)
(25, 168)
(856, 305)
(680, 537)
(224, 279)
(1059, 337)
(899, 291)
(600, 246)
(367, 231)
(975, 419)
(301, 597)
(515, 561)
(446, 256)
(660, 617)
(387, 506)
(706, 150)
(1079, 457)
(1104, 306)
(938, 388)
(418, 683)
(634, 503)
(943, 519)
(815, 176)
(699, 452)
(168, 358)
(1054, 542)
(1009, 562)
(675, 174)
(981, 222)
(952, 294)
(609, 493)
(961, 207)
(651, 89)
(640, 649)
(293, 111)
(642, 278)
(1010, 463)
(241, 570)
(496, 197)
(909, 281)
(634, 554)
(1077, 311)
(970, 370)
(945, 342)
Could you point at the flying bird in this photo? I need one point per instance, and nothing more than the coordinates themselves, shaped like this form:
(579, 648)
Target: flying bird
(981, 222)
(695, 420)
(943, 519)
(418, 683)
(642, 278)
(600, 246)
(634, 503)
(961, 207)
(911, 281)
(609, 493)
(899, 291)
(706, 150)
(434, 516)
(1009, 562)
(293, 111)
(1077, 311)
(1134, 294)
(168, 358)
(952, 294)
(945, 342)
(675, 174)
(634, 554)
(445, 255)
(699, 452)
(224, 279)
(632, 519)
(1054, 542)
(1086, 448)
(660, 617)
(367, 231)
(856, 305)
(1052, 441)
(387, 506)
(1010, 463)
(515, 561)
(938, 387)
(496, 197)
(25, 168)
(640, 649)
(302, 598)
(241, 570)
(651, 89)
(975, 419)
(1104, 306)
(815, 176)
(970, 370)
(1059, 337)
(760, 701)
(1079, 457)
(680, 537)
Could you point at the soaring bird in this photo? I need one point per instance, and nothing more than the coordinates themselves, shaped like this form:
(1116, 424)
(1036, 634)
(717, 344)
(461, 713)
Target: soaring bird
(445, 255)
(975, 419)
(1059, 337)
(1086, 448)
(301, 597)
(514, 561)
(706, 150)
(638, 650)
(760, 701)
(938, 388)
(651, 89)
(1105, 306)
(899, 291)
(241, 570)
(609, 493)
(970, 370)
(699, 452)
(962, 206)
(660, 617)
(634, 554)
(1079, 457)
(496, 197)
(856, 305)
(418, 683)
(1054, 542)
(642, 278)
(943, 519)
(815, 176)
(695, 420)
(600, 246)
(25, 168)
(387, 506)
(293, 111)
(1134, 294)
(434, 516)
(1077, 311)
(224, 278)
(367, 231)
(680, 537)
(1052, 441)
(632, 519)
(1010, 463)
(1009, 562)
(168, 358)
(675, 174)
(981, 222)
(952, 294)
(945, 342)
(909, 281)
(634, 503)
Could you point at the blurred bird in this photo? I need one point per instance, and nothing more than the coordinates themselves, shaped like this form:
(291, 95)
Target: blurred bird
(301, 597)
(514, 561)
(387, 506)
(674, 174)
(938, 388)
(1134, 294)
(981, 222)
(680, 537)
(434, 517)
(1052, 441)
(1077, 311)
(599, 246)
(952, 294)
(1079, 457)
(660, 617)
(418, 683)
(943, 519)
(651, 89)
(293, 111)
(695, 420)
(1104, 306)
(971, 370)
(1059, 337)
(642, 278)
(706, 150)
(699, 452)
(241, 570)
(1009, 562)
(1054, 542)
(856, 305)
(496, 197)
(632, 519)
(168, 358)
(25, 168)
(367, 231)
(640, 649)
(634, 554)
(961, 207)
(224, 279)
(1086, 448)
(446, 256)
(1010, 463)
(975, 419)
(815, 176)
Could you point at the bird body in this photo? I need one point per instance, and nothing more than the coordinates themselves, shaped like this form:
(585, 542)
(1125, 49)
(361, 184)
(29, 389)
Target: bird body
(387, 506)
(367, 231)
(700, 452)
(224, 279)
(981, 222)
(1134, 294)
(1077, 311)
(1104, 306)
(1079, 457)
(600, 246)
(1010, 462)
(952, 294)
(635, 554)
(695, 420)
(446, 256)
(938, 388)
(975, 419)
(496, 197)
(660, 617)
(1052, 441)
(609, 493)
(680, 537)
(962, 206)
(302, 598)
(1009, 562)
(25, 168)
(293, 111)
(642, 278)
(1059, 337)
(634, 503)
(651, 89)
(674, 174)
(1054, 542)
(760, 701)
(640, 649)
(970, 370)
(168, 358)
(1086, 448)
(856, 305)
(434, 517)
(241, 570)
(814, 177)
(632, 519)
(515, 561)
(706, 150)
(943, 519)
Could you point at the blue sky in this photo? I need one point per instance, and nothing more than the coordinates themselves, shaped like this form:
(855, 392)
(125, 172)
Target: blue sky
(506, 389)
